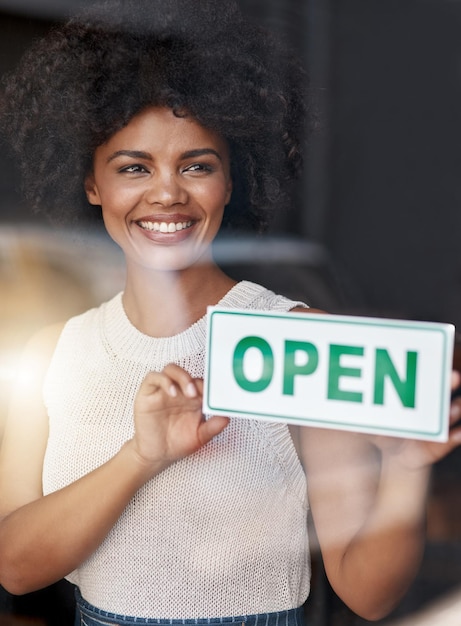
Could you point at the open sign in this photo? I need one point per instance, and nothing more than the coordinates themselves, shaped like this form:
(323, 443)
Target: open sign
(372, 375)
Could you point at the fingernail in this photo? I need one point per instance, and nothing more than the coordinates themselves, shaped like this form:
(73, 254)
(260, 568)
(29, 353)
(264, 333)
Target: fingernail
(191, 391)
(173, 391)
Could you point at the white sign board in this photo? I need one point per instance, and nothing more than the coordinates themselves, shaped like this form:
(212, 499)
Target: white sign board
(379, 376)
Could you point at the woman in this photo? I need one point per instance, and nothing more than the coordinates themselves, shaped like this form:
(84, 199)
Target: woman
(174, 118)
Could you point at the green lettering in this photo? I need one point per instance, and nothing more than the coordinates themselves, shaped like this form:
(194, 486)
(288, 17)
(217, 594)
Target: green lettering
(405, 388)
(268, 364)
(291, 369)
(337, 371)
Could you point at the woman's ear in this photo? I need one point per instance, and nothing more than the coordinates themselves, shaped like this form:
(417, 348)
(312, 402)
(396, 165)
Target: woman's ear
(91, 190)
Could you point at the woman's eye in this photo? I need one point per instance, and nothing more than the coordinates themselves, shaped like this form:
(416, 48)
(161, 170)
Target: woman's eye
(133, 169)
(199, 167)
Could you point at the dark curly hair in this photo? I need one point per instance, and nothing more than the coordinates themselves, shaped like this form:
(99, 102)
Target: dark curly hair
(87, 78)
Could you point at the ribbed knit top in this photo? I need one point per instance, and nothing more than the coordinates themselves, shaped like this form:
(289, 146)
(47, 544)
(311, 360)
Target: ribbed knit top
(220, 533)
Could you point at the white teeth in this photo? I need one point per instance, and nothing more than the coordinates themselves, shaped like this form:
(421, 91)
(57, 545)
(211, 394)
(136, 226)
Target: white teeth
(165, 227)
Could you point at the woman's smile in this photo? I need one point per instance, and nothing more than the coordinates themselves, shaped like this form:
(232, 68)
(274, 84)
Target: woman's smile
(164, 227)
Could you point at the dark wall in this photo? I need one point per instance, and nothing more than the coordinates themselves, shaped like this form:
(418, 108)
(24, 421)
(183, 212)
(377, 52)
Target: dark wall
(394, 217)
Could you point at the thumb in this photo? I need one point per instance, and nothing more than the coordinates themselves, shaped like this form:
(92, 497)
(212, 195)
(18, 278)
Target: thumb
(212, 427)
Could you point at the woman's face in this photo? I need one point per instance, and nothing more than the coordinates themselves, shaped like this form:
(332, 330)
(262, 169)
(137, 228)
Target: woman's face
(162, 182)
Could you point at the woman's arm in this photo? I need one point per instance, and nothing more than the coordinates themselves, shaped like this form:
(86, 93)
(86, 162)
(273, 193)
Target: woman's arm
(43, 538)
(369, 521)
(368, 499)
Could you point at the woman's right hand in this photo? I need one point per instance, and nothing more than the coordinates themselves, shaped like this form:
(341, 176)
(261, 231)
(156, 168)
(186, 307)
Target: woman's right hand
(169, 423)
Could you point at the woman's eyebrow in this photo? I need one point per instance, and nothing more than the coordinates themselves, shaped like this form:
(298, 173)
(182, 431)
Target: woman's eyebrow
(190, 154)
(134, 154)
(139, 154)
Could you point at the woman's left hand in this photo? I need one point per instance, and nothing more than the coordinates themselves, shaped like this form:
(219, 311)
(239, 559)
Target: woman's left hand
(415, 454)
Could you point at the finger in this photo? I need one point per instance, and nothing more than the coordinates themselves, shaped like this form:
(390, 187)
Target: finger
(455, 410)
(455, 380)
(454, 440)
(154, 381)
(198, 382)
(181, 379)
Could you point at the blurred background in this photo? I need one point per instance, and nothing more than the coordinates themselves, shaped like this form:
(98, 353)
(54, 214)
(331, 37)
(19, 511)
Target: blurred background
(373, 229)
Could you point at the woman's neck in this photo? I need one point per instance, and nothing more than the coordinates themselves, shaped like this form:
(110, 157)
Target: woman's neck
(163, 304)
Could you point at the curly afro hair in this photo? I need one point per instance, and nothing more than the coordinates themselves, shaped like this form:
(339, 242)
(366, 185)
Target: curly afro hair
(86, 79)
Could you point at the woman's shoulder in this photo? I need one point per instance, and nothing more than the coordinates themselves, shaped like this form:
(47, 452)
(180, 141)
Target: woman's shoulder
(90, 318)
(259, 297)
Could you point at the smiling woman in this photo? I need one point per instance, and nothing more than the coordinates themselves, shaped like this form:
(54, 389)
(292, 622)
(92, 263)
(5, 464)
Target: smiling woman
(163, 182)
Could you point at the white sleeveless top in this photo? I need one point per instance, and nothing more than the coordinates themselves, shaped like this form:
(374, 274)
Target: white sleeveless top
(220, 533)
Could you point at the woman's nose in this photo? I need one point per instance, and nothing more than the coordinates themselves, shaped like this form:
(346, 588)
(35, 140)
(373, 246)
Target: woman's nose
(166, 189)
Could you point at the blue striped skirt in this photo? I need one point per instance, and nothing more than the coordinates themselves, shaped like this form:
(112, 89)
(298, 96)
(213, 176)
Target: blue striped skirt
(88, 615)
